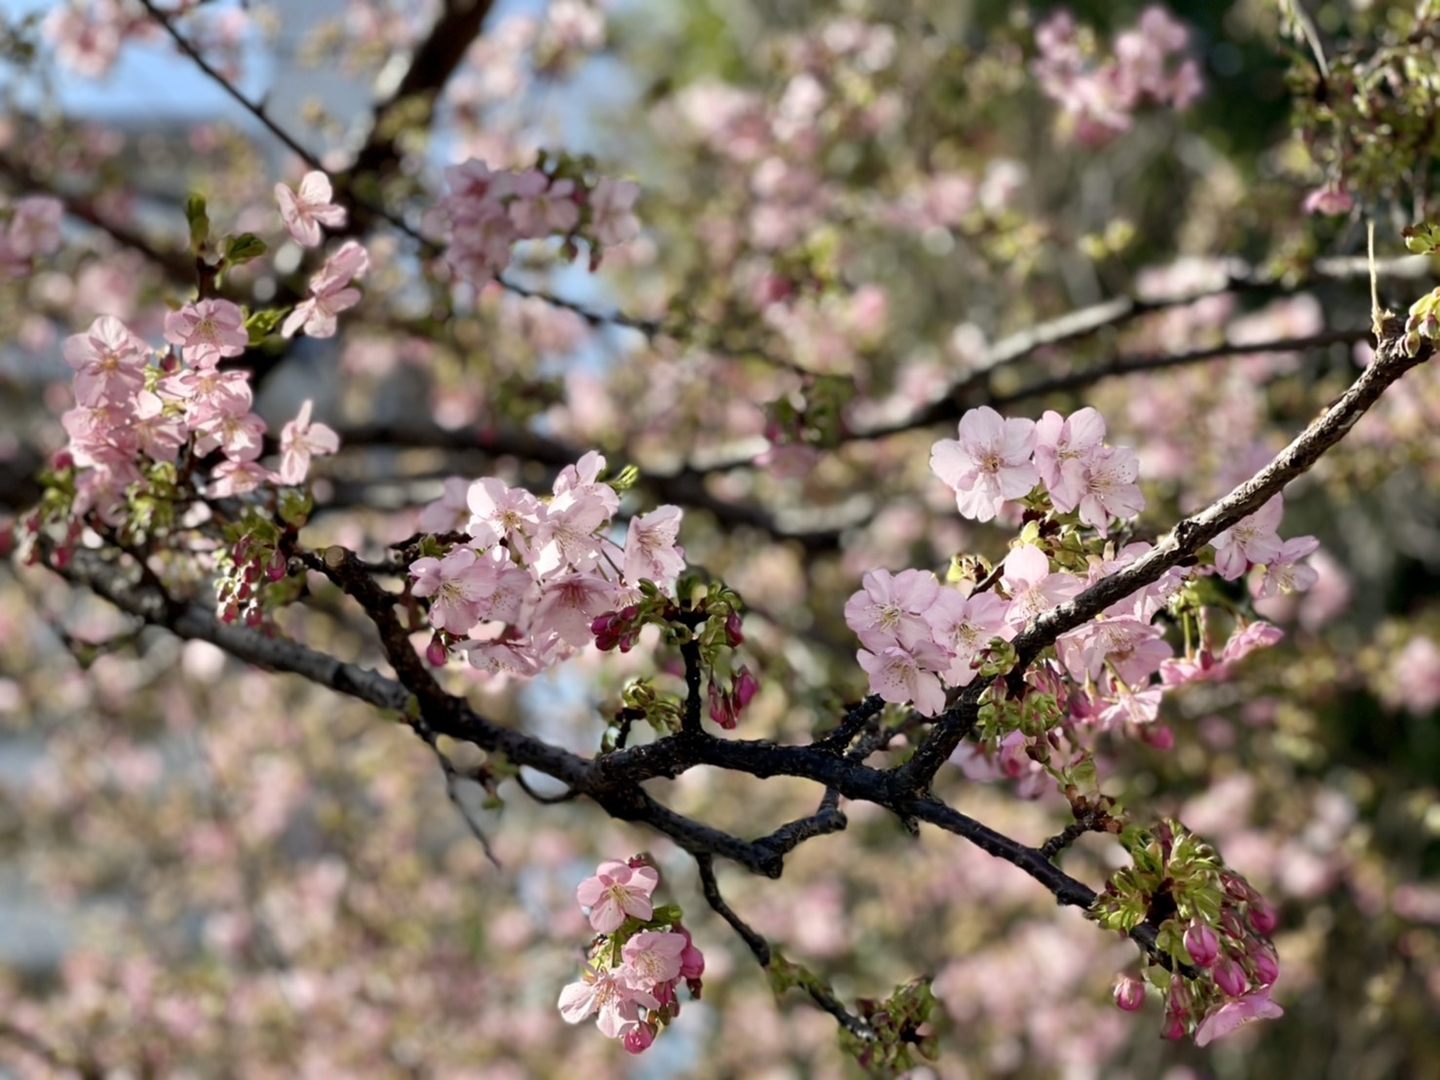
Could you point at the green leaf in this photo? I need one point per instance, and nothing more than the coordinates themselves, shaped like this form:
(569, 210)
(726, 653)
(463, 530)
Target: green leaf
(1422, 239)
(243, 248)
(199, 221)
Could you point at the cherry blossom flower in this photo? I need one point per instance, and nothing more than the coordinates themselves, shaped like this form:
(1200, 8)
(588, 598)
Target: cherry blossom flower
(499, 511)
(1064, 447)
(617, 890)
(652, 957)
(565, 537)
(35, 227)
(1249, 637)
(451, 511)
(1109, 488)
(1252, 540)
(611, 220)
(1286, 573)
(1331, 199)
(1234, 1014)
(966, 626)
(207, 330)
(908, 674)
(460, 582)
(1031, 585)
(329, 293)
(650, 548)
(890, 608)
(299, 440)
(607, 993)
(160, 435)
(568, 606)
(989, 464)
(109, 361)
(306, 211)
(239, 435)
(551, 209)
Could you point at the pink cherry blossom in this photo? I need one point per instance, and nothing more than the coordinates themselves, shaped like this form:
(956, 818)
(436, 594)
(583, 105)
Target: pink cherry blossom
(109, 361)
(35, 227)
(988, 464)
(650, 548)
(611, 219)
(908, 674)
(1249, 637)
(566, 537)
(460, 582)
(1109, 489)
(1285, 573)
(1331, 199)
(617, 890)
(239, 435)
(498, 510)
(329, 293)
(890, 608)
(607, 993)
(306, 211)
(207, 330)
(450, 512)
(1031, 585)
(550, 210)
(568, 606)
(1252, 540)
(652, 957)
(1063, 449)
(1234, 1014)
(966, 626)
(299, 440)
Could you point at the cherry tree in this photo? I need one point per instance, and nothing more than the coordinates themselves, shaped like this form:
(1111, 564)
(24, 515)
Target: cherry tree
(871, 556)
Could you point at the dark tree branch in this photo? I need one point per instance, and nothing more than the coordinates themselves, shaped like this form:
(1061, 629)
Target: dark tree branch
(761, 948)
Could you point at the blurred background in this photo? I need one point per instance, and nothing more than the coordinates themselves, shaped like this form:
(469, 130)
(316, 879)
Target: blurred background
(854, 218)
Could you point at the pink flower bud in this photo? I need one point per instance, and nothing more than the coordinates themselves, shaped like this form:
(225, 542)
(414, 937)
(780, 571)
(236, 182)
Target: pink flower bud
(278, 567)
(1158, 736)
(62, 459)
(254, 615)
(435, 653)
(1236, 887)
(1129, 993)
(1202, 944)
(745, 688)
(638, 1038)
(732, 629)
(1262, 917)
(1174, 1028)
(1267, 968)
(1229, 979)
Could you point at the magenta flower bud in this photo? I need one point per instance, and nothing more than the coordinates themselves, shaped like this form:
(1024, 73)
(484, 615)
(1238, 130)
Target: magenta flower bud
(732, 629)
(1174, 1029)
(601, 623)
(62, 459)
(254, 615)
(278, 567)
(1267, 968)
(1262, 917)
(638, 1038)
(1129, 993)
(230, 612)
(1158, 736)
(1236, 887)
(745, 688)
(1229, 979)
(1231, 925)
(1202, 944)
(435, 653)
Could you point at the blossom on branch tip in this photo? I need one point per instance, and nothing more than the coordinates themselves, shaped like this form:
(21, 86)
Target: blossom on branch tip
(207, 330)
(1234, 1014)
(1252, 540)
(617, 890)
(304, 212)
(299, 441)
(988, 464)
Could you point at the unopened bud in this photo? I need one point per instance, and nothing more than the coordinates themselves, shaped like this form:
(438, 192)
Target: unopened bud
(1202, 944)
(435, 653)
(1229, 979)
(1262, 917)
(1129, 993)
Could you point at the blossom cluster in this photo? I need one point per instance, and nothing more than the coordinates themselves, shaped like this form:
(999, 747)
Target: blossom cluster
(1221, 926)
(531, 585)
(1099, 98)
(486, 212)
(130, 411)
(920, 636)
(637, 963)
